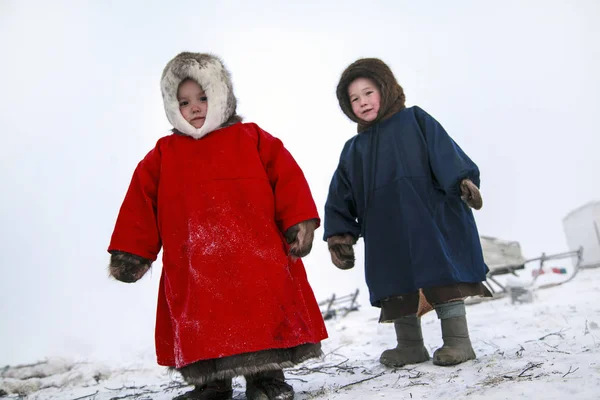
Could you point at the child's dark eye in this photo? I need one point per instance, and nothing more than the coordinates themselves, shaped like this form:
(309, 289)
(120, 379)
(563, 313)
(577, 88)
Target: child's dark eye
(369, 92)
(353, 100)
(203, 98)
(183, 103)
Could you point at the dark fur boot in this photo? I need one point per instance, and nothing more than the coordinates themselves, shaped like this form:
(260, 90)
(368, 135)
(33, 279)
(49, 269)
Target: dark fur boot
(410, 348)
(215, 390)
(268, 385)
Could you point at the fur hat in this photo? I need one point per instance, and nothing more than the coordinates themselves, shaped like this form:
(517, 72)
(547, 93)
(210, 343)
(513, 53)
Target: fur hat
(392, 94)
(210, 73)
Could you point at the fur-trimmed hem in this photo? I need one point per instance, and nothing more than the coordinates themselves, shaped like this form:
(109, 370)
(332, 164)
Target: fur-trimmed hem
(204, 371)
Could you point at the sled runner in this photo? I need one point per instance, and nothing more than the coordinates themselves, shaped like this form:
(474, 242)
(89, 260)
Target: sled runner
(342, 305)
(505, 257)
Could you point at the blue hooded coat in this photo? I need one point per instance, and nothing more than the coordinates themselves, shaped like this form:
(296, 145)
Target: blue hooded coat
(397, 186)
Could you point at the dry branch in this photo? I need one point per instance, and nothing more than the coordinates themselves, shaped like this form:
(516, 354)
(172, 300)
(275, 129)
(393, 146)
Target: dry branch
(125, 388)
(531, 366)
(87, 396)
(361, 381)
(417, 376)
(417, 384)
(324, 369)
(559, 334)
(570, 372)
(558, 351)
(334, 350)
(133, 395)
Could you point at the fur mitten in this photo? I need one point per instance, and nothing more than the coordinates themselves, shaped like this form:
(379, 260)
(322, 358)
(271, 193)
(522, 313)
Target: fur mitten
(127, 267)
(300, 237)
(470, 194)
(341, 250)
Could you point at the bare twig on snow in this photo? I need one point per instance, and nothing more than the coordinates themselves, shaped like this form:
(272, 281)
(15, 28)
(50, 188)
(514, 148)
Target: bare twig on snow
(361, 381)
(529, 367)
(418, 375)
(133, 395)
(87, 396)
(558, 351)
(126, 388)
(417, 384)
(334, 351)
(570, 372)
(491, 344)
(559, 334)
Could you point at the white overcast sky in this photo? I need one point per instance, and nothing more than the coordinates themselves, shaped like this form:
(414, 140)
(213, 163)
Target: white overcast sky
(515, 83)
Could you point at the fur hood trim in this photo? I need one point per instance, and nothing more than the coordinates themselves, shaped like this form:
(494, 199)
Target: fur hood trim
(392, 94)
(210, 73)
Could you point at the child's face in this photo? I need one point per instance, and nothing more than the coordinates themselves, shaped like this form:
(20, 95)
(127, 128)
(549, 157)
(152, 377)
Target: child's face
(193, 103)
(365, 98)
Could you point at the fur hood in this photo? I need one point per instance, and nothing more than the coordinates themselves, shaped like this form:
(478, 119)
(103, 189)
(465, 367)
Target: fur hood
(210, 73)
(392, 94)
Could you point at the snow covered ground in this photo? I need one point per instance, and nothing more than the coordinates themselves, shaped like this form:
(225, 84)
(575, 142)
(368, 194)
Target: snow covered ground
(548, 349)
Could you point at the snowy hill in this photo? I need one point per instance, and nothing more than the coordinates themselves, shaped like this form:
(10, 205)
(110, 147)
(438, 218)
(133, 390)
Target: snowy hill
(548, 349)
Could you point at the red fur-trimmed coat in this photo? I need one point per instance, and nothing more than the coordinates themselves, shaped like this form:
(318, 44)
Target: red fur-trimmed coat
(218, 206)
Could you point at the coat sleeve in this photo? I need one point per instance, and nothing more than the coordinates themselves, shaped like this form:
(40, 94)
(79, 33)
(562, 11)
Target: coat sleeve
(449, 164)
(340, 208)
(294, 202)
(136, 230)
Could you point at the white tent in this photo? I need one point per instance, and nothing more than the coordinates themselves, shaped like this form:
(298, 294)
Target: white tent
(582, 229)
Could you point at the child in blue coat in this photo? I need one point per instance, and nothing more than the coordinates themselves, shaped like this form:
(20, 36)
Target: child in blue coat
(406, 188)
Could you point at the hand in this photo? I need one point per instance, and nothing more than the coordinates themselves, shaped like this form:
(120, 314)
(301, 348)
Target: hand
(341, 250)
(300, 237)
(470, 194)
(127, 267)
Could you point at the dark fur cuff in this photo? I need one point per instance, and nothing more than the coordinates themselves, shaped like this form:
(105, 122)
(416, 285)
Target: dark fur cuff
(127, 267)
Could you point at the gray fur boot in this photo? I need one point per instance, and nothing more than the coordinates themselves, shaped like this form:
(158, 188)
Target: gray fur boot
(410, 348)
(457, 346)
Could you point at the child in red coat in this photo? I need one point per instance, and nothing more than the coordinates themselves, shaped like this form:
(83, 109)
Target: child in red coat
(233, 214)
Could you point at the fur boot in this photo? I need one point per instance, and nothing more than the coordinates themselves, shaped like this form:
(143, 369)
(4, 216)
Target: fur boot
(410, 348)
(269, 385)
(457, 346)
